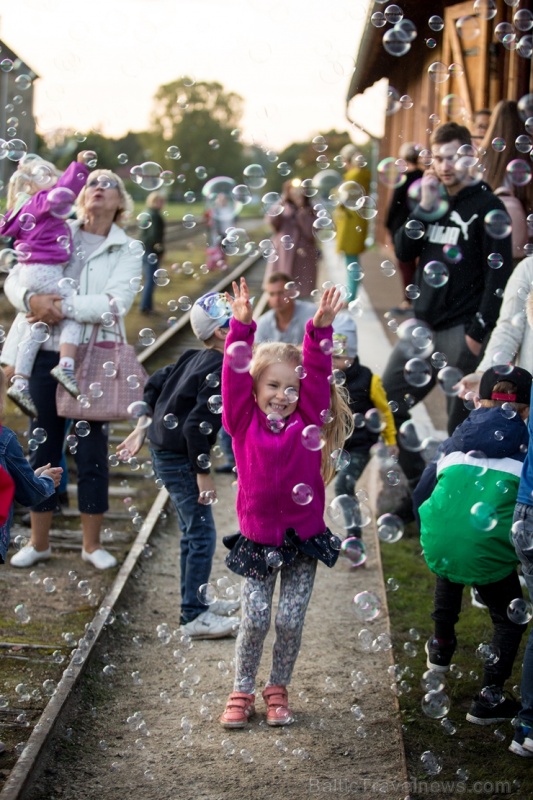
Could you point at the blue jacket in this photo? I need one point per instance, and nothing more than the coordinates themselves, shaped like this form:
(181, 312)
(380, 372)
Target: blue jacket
(29, 489)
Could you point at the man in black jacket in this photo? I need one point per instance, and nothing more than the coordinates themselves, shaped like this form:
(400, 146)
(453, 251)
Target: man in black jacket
(460, 233)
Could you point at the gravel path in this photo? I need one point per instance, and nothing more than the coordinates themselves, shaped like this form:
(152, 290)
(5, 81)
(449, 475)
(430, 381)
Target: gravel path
(146, 717)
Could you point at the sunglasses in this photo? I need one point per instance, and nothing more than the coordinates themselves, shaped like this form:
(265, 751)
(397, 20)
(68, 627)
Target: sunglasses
(103, 183)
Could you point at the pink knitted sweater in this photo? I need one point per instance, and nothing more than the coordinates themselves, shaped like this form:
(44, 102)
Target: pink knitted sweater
(270, 464)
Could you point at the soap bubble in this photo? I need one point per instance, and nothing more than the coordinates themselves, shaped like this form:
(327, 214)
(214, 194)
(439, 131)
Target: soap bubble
(448, 379)
(414, 229)
(302, 494)
(430, 763)
(409, 438)
(367, 606)
(214, 404)
(520, 611)
(436, 274)
(435, 704)
(417, 372)
(207, 594)
(239, 355)
(147, 176)
(353, 549)
(488, 652)
(519, 171)
(146, 337)
(254, 175)
(313, 437)
(82, 428)
(396, 42)
(341, 459)
(343, 510)
(483, 516)
(497, 224)
(390, 528)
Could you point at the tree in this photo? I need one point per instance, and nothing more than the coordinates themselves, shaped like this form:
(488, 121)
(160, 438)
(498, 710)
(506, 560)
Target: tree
(201, 120)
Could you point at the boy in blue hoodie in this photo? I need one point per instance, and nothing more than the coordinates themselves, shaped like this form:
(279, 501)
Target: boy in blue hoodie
(465, 502)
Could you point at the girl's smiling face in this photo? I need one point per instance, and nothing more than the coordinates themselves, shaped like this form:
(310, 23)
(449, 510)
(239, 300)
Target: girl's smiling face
(272, 389)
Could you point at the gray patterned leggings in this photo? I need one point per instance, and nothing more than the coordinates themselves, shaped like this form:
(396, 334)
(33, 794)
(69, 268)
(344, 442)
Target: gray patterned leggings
(295, 592)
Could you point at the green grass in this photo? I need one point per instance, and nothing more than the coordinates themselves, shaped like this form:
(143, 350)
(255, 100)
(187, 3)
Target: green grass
(174, 212)
(473, 748)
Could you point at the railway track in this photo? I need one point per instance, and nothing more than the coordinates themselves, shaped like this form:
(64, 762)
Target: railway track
(65, 661)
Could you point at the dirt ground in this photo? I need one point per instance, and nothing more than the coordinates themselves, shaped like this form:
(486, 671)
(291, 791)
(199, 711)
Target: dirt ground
(346, 739)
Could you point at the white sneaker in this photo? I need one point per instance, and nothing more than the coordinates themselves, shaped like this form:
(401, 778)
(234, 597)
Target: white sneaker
(28, 556)
(475, 599)
(101, 559)
(224, 608)
(210, 626)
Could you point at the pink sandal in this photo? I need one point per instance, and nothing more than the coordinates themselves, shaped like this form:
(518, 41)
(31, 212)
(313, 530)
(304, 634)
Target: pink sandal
(277, 701)
(239, 708)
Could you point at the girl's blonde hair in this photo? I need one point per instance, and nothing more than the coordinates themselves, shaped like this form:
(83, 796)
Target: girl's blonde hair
(33, 174)
(340, 424)
(125, 208)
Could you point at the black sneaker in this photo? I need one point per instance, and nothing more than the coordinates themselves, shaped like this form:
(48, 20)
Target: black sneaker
(491, 706)
(439, 655)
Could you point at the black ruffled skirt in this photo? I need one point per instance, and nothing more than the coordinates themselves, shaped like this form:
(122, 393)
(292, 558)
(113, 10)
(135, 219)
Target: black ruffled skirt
(252, 560)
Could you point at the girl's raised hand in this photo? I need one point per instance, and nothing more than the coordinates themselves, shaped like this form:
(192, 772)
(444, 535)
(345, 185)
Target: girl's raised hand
(330, 304)
(240, 303)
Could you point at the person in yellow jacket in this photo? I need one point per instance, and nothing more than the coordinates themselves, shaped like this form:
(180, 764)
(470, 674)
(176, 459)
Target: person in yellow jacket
(351, 227)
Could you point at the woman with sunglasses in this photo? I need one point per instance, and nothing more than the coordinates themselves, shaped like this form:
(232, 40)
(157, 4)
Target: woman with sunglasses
(104, 270)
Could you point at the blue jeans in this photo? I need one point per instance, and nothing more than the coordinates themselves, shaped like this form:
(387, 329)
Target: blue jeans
(346, 480)
(198, 534)
(148, 280)
(522, 535)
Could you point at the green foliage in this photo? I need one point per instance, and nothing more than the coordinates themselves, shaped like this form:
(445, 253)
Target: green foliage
(201, 120)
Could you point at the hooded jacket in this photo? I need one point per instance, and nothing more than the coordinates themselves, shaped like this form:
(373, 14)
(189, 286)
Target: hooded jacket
(460, 240)
(465, 501)
(184, 390)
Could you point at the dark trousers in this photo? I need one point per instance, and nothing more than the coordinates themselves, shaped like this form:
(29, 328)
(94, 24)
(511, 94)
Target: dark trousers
(91, 455)
(506, 635)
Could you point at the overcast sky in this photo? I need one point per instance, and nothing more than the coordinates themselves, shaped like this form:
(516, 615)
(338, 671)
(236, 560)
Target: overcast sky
(100, 62)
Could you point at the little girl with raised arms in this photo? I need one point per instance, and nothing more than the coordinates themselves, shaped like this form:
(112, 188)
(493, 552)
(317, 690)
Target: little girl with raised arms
(277, 414)
(39, 200)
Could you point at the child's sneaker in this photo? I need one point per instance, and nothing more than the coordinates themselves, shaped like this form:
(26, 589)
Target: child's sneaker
(517, 745)
(66, 378)
(439, 654)
(491, 706)
(277, 701)
(239, 708)
(23, 399)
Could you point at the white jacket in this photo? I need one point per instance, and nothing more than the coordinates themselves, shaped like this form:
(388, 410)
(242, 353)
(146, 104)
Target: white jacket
(107, 275)
(512, 338)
